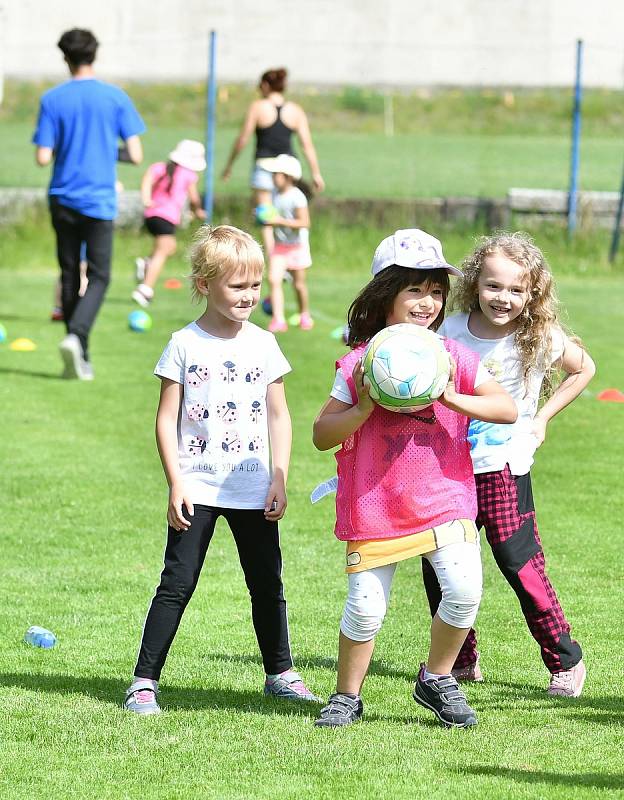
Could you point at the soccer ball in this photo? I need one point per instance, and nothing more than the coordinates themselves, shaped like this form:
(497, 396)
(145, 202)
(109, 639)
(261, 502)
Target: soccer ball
(265, 212)
(407, 367)
(139, 321)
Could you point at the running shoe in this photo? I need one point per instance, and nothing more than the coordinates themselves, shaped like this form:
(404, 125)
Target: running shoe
(140, 265)
(340, 710)
(289, 685)
(278, 325)
(444, 697)
(569, 682)
(141, 699)
(471, 673)
(306, 323)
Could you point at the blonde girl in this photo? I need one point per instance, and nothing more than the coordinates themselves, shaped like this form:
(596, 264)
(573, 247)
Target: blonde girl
(223, 432)
(509, 315)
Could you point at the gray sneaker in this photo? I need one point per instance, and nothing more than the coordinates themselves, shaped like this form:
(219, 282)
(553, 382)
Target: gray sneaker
(87, 371)
(340, 710)
(141, 699)
(140, 265)
(289, 685)
(447, 701)
(75, 365)
(71, 353)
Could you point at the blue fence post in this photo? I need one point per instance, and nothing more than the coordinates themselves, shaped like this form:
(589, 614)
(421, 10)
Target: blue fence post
(615, 240)
(576, 140)
(211, 113)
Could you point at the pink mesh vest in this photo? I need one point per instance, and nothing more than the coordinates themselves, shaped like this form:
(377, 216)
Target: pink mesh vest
(398, 475)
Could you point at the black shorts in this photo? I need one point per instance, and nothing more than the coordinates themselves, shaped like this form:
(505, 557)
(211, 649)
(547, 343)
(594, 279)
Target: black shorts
(158, 226)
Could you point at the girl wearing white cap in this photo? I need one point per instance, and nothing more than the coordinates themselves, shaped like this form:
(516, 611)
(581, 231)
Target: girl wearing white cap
(405, 487)
(164, 190)
(290, 252)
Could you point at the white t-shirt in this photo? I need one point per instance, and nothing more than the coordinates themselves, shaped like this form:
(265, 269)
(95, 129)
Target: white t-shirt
(286, 204)
(493, 445)
(223, 440)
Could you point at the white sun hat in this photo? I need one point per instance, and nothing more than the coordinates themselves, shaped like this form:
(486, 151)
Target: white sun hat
(289, 165)
(190, 154)
(411, 248)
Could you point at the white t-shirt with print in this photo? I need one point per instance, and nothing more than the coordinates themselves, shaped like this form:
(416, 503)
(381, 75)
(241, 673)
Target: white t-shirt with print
(223, 439)
(286, 204)
(494, 445)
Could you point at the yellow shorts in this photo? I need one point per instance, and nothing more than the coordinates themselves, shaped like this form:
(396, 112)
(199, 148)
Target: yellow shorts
(368, 553)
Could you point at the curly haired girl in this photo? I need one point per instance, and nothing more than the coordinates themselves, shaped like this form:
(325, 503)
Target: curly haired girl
(509, 316)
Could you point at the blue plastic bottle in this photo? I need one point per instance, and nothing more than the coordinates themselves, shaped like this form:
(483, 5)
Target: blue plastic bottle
(39, 637)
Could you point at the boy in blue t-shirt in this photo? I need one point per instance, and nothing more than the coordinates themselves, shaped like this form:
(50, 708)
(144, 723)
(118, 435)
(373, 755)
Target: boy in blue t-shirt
(79, 126)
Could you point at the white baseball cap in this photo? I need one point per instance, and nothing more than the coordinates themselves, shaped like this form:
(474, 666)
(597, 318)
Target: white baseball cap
(190, 154)
(411, 248)
(289, 165)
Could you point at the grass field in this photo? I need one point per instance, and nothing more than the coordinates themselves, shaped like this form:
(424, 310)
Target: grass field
(83, 532)
(446, 143)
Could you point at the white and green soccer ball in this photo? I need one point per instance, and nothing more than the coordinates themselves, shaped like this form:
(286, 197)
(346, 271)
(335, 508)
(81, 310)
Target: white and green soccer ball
(407, 367)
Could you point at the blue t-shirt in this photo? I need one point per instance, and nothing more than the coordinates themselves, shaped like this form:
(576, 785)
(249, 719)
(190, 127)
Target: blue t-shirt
(82, 121)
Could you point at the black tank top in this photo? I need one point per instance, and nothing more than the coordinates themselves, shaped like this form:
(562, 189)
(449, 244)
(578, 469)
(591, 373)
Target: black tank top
(274, 139)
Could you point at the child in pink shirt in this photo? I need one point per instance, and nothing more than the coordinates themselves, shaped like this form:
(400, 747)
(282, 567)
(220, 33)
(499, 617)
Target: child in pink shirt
(405, 484)
(164, 189)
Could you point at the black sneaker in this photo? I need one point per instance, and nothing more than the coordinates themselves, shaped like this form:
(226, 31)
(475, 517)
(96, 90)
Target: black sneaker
(447, 701)
(340, 710)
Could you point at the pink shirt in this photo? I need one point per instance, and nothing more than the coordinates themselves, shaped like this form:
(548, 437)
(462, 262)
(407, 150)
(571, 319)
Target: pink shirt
(169, 204)
(398, 475)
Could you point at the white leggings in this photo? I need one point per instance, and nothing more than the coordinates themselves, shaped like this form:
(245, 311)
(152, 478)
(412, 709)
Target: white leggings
(458, 569)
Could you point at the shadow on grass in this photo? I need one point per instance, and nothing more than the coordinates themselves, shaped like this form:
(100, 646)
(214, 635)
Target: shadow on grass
(176, 698)
(32, 374)
(316, 662)
(593, 780)
(179, 698)
(506, 694)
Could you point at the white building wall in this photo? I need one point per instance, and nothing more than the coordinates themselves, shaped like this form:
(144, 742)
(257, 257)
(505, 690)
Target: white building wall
(398, 43)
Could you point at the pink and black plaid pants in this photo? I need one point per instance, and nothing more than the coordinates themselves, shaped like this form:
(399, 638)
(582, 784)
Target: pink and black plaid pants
(507, 513)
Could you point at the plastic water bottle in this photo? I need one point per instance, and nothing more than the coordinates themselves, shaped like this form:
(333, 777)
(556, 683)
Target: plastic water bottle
(39, 637)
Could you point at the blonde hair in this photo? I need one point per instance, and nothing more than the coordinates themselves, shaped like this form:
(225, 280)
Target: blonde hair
(540, 314)
(220, 251)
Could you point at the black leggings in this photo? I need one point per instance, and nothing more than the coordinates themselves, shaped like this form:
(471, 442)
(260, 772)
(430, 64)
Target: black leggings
(257, 541)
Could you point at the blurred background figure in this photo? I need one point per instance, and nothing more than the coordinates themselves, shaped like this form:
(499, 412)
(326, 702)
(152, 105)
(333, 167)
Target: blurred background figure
(274, 121)
(79, 126)
(164, 190)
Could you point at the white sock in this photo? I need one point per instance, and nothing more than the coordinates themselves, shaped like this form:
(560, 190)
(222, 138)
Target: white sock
(430, 676)
(136, 681)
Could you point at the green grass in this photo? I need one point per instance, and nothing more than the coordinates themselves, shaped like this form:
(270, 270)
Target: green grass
(447, 143)
(83, 531)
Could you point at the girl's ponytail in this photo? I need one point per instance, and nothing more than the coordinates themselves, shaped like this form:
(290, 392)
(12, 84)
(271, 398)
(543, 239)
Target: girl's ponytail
(305, 187)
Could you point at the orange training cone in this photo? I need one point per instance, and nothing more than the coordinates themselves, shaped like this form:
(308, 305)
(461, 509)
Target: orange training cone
(611, 396)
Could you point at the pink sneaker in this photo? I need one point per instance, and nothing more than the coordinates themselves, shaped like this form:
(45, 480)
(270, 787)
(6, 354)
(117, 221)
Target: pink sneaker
(569, 682)
(278, 325)
(289, 685)
(306, 323)
(470, 673)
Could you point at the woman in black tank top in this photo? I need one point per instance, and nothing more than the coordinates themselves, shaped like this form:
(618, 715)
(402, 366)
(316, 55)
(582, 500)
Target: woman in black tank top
(273, 140)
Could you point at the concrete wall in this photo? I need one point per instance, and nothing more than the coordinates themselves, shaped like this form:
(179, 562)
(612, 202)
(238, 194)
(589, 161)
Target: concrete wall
(398, 43)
